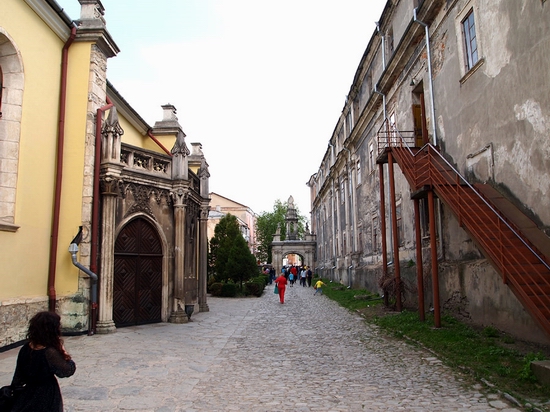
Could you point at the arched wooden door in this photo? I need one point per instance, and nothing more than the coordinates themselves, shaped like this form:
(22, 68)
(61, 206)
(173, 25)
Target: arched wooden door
(137, 285)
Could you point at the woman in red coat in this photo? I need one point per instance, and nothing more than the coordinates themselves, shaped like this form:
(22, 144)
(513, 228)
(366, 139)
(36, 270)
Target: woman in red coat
(281, 285)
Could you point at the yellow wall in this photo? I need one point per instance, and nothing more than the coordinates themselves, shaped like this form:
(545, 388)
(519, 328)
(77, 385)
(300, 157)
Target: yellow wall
(135, 137)
(24, 255)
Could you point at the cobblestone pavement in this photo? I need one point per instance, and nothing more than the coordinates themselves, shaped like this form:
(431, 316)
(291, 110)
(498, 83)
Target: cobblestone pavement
(258, 355)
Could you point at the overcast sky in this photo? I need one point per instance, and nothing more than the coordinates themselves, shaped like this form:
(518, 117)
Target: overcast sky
(260, 83)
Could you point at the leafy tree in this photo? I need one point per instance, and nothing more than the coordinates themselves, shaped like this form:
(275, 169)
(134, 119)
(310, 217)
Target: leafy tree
(266, 227)
(229, 254)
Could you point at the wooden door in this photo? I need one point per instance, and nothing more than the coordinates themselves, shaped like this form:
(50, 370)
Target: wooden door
(137, 289)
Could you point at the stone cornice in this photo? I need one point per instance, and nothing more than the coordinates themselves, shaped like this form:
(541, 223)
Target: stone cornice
(99, 36)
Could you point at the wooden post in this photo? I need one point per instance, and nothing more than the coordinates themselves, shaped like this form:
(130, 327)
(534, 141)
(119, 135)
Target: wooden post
(383, 227)
(419, 267)
(435, 274)
(395, 235)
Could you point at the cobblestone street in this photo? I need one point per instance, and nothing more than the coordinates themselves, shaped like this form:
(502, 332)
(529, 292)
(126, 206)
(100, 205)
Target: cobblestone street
(258, 355)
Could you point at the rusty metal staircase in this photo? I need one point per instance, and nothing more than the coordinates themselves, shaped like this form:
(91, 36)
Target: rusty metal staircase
(515, 255)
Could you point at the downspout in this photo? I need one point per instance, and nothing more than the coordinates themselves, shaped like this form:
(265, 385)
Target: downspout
(52, 298)
(73, 250)
(432, 109)
(150, 134)
(383, 37)
(383, 100)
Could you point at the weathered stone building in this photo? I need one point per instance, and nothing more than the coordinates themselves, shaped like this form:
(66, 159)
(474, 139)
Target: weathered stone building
(447, 94)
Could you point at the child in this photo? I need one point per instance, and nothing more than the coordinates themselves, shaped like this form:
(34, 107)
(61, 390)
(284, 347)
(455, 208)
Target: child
(319, 287)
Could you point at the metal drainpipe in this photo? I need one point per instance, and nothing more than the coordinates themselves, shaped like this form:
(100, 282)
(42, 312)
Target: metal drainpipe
(432, 109)
(383, 100)
(73, 250)
(52, 298)
(383, 37)
(349, 276)
(150, 134)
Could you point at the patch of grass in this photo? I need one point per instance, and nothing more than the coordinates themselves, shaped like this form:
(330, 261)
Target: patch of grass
(353, 299)
(483, 354)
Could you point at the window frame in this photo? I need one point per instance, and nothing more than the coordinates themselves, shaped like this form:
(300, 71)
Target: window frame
(470, 42)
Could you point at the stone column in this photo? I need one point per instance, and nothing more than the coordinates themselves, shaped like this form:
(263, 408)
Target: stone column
(109, 194)
(178, 313)
(203, 258)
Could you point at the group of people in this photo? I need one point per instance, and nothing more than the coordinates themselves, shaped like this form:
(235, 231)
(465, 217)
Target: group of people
(301, 273)
(288, 276)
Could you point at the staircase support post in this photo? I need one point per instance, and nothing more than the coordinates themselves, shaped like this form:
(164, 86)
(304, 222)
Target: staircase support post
(419, 266)
(395, 234)
(433, 247)
(383, 227)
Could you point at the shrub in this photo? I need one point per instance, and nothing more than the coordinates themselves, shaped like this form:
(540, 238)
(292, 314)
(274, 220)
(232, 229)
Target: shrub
(216, 289)
(255, 287)
(229, 290)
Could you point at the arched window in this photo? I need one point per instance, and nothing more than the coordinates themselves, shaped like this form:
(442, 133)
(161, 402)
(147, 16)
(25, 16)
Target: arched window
(11, 100)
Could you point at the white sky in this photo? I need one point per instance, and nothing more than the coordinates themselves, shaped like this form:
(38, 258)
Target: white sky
(260, 83)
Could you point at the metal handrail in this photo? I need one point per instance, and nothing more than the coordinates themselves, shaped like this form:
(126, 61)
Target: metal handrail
(432, 149)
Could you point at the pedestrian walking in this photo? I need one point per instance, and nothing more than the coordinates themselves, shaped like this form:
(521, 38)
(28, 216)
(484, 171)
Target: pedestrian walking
(303, 275)
(41, 359)
(280, 283)
(291, 279)
(309, 275)
(319, 287)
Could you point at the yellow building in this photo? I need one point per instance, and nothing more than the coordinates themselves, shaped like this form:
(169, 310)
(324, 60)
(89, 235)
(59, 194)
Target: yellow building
(87, 188)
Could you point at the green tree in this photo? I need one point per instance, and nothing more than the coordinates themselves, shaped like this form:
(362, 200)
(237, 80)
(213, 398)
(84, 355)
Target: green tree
(266, 227)
(230, 257)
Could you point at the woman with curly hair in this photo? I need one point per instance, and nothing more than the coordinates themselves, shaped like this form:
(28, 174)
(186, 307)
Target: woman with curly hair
(39, 361)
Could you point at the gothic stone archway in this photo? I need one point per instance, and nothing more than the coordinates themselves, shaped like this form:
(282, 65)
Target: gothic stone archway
(304, 248)
(137, 286)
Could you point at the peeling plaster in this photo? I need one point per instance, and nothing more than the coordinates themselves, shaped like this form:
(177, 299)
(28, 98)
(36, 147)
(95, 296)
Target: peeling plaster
(528, 155)
(495, 40)
(441, 127)
(531, 111)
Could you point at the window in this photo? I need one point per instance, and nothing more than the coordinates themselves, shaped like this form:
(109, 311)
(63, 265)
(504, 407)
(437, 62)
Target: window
(470, 39)
(374, 234)
(358, 172)
(371, 157)
(349, 121)
(11, 84)
(400, 236)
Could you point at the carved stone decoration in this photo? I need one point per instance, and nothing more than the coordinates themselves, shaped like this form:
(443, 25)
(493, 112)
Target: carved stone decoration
(111, 138)
(109, 185)
(204, 174)
(143, 196)
(179, 196)
(180, 153)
